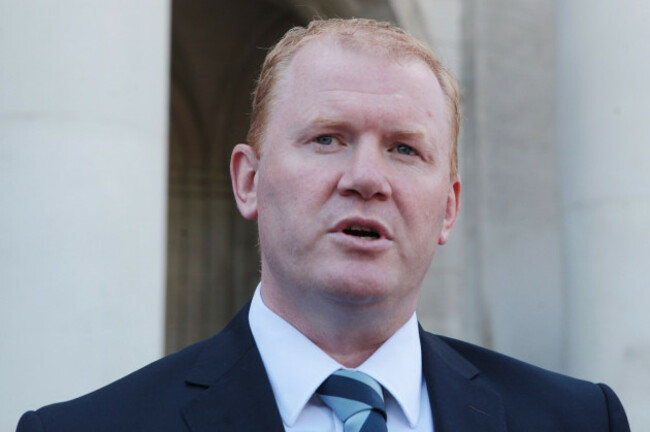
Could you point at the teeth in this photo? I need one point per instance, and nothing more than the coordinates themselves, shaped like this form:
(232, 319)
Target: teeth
(361, 228)
(361, 231)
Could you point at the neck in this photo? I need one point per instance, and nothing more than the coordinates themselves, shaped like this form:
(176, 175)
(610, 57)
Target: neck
(348, 332)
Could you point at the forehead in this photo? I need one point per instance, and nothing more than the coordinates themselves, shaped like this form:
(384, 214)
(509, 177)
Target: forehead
(328, 78)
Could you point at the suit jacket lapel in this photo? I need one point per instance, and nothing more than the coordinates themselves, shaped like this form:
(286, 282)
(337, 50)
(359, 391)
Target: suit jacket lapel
(238, 395)
(460, 400)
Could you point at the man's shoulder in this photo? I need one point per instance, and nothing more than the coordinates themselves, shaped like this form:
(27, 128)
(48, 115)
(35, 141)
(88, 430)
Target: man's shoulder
(150, 398)
(497, 368)
(156, 389)
(531, 394)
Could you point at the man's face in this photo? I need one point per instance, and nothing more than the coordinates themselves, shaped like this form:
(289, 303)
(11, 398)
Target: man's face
(352, 189)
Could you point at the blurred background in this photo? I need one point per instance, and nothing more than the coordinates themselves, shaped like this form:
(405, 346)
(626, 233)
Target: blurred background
(120, 241)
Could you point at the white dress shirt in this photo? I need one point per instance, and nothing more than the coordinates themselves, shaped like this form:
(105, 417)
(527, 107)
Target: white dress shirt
(296, 367)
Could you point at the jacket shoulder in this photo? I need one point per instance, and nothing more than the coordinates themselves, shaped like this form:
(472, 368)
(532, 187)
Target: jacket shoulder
(533, 394)
(147, 399)
(497, 368)
(151, 398)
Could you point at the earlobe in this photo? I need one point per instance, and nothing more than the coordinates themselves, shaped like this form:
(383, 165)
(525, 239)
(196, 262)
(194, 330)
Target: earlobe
(451, 214)
(243, 173)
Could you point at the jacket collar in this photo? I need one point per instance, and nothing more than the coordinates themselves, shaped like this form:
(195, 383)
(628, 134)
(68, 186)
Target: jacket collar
(238, 396)
(461, 401)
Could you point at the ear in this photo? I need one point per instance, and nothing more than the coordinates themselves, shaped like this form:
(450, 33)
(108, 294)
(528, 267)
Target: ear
(453, 205)
(243, 173)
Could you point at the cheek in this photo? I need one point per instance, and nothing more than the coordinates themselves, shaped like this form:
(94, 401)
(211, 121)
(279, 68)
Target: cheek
(287, 194)
(290, 200)
(275, 183)
(423, 209)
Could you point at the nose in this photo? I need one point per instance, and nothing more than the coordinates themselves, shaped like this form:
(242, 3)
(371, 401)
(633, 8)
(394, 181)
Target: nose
(365, 173)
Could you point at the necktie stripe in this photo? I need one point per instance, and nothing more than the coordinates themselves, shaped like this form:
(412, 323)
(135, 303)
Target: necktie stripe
(343, 407)
(374, 423)
(351, 389)
(356, 422)
(356, 399)
(360, 377)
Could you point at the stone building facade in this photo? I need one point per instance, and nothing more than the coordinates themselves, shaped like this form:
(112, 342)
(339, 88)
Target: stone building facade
(120, 240)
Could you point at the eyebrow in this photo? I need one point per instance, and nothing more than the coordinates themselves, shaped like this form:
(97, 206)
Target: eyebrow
(399, 134)
(329, 123)
(408, 135)
(306, 128)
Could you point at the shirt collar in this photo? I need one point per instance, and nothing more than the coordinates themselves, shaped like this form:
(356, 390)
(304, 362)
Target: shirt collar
(296, 367)
(396, 365)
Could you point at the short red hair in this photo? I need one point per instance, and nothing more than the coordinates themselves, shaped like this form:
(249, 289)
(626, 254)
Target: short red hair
(392, 41)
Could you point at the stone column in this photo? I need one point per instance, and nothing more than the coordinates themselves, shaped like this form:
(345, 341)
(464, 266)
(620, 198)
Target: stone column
(444, 300)
(83, 145)
(511, 202)
(604, 146)
(498, 281)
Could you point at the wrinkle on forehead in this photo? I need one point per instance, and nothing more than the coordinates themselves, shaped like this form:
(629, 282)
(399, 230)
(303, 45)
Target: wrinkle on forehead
(301, 67)
(355, 90)
(330, 81)
(341, 122)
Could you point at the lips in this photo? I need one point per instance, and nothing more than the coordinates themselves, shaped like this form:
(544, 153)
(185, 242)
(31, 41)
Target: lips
(361, 231)
(363, 228)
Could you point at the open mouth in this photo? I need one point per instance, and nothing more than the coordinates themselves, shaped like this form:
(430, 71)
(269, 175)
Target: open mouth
(361, 232)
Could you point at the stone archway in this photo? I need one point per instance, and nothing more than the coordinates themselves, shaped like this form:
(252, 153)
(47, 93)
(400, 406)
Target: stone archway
(217, 48)
(212, 264)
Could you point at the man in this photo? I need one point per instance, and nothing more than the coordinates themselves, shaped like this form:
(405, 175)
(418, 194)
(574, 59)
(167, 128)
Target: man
(351, 173)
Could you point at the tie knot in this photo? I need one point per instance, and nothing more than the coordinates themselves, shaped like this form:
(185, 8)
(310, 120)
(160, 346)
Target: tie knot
(356, 398)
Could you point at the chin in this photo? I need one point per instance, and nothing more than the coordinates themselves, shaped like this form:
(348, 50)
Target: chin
(359, 290)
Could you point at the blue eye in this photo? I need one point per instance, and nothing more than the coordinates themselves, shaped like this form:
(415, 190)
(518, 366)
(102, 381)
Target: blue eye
(324, 139)
(405, 149)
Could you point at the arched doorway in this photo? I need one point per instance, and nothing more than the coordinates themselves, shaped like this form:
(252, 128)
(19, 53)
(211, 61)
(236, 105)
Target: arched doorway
(217, 48)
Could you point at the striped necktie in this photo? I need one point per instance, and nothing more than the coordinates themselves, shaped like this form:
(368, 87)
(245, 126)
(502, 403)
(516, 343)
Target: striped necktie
(357, 400)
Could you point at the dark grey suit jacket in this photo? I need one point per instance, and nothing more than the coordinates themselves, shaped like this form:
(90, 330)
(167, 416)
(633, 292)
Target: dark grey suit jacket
(220, 385)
